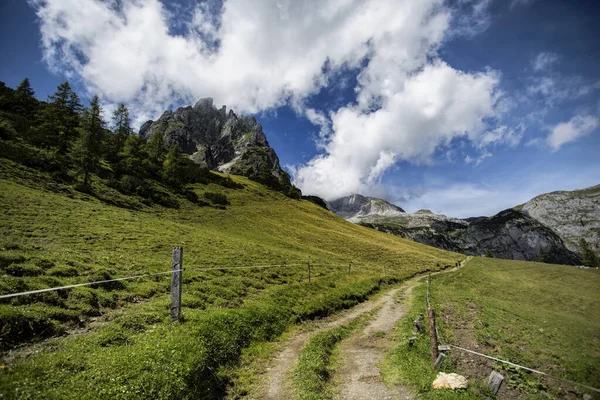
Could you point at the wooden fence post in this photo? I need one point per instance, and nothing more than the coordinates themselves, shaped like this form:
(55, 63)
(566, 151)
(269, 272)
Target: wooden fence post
(177, 267)
(432, 334)
(308, 271)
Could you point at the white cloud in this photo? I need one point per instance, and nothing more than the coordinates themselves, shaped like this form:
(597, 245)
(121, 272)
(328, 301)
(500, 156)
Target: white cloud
(424, 110)
(479, 159)
(501, 135)
(319, 119)
(544, 61)
(554, 89)
(575, 128)
(256, 55)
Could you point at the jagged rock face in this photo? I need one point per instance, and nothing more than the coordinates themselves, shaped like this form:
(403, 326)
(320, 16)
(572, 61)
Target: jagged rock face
(509, 234)
(218, 139)
(516, 236)
(355, 207)
(572, 215)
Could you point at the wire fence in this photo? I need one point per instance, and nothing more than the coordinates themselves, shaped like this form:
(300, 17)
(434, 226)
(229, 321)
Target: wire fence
(437, 339)
(141, 276)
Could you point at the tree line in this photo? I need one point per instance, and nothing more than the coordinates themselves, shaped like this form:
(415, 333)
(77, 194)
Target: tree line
(76, 144)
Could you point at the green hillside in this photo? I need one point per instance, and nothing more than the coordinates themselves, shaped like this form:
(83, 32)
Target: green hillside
(120, 342)
(538, 315)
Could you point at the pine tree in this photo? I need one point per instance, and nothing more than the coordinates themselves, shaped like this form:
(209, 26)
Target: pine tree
(590, 259)
(156, 148)
(26, 103)
(122, 130)
(61, 119)
(89, 146)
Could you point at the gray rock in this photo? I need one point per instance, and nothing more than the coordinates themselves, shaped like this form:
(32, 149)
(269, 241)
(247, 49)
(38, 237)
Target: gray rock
(219, 140)
(510, 234)
(356, 207)
(572, 215)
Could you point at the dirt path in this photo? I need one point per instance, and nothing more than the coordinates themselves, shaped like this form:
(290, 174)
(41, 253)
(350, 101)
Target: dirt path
(359, 375)
(276, 381)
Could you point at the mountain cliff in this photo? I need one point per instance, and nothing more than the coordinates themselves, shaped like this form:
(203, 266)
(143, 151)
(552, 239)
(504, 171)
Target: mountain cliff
(220, 140)
(510, 234)
(356, 207)
(572, 215)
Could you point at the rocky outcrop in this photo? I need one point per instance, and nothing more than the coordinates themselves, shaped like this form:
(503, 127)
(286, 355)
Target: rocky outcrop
(572, 215)
(355, 207)
(510, 234)
(515, 236)
(220, 140)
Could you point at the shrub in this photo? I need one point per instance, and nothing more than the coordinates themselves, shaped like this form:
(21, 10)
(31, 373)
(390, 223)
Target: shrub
(63, 271)
(216, 198)
(23, 270)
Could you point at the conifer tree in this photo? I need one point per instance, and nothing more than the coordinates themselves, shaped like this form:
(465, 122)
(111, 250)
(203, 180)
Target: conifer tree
(26, 103)
(122, 130)
(61, 118)
(89, 146)
(590, 259)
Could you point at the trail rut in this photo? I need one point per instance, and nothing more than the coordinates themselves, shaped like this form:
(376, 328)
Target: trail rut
(358, 376)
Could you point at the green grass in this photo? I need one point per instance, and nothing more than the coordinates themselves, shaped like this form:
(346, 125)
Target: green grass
(539, 315)
(312, 374)
(119, 338)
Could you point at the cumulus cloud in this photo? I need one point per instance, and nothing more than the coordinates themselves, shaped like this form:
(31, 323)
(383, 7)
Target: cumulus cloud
(427, 109)
(577, 127)
(254, 56)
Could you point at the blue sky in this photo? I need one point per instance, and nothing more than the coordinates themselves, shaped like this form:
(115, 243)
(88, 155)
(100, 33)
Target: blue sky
(465, 107)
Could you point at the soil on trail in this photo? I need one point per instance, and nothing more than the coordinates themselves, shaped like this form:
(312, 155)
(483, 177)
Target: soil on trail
(358, 377)
(277, 377)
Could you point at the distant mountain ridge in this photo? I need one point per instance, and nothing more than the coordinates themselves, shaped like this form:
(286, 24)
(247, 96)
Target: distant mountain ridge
(546, 228)
(356, 207)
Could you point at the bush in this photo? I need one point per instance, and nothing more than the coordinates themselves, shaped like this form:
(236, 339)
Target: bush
(105, 275)
(8, 259)
(63, 271)
(216, 198)
(23, 270)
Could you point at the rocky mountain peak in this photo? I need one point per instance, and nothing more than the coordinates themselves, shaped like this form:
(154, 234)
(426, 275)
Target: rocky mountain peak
(219, 140)
(356, 206)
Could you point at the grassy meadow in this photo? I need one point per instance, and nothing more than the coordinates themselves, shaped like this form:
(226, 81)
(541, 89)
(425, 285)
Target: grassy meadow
(538, 315)
(115, 341)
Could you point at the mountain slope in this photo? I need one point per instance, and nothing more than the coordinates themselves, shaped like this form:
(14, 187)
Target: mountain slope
(124, 342)
(572, 215)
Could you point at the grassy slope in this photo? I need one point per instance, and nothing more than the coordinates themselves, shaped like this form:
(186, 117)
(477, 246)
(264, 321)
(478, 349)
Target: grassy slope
(50, 231)
(538, 315)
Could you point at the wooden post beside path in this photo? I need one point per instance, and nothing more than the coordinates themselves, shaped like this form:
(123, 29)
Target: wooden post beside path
(176, 281)
(432, 334)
